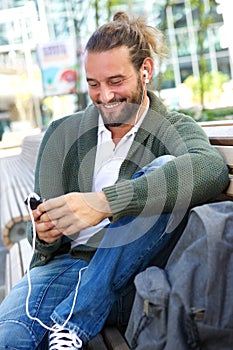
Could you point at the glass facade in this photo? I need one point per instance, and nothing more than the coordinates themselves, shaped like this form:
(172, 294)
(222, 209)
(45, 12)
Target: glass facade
(194, 31)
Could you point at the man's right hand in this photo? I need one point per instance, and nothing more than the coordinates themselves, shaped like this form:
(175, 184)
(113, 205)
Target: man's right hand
(46, 231)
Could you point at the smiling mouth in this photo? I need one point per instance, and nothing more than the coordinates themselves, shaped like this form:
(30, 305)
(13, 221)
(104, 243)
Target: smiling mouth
(111, 105)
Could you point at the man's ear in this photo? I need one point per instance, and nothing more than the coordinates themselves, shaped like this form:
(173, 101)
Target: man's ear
(147, 69)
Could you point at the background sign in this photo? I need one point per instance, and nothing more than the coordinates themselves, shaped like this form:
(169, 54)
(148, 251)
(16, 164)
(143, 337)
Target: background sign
(59, 67)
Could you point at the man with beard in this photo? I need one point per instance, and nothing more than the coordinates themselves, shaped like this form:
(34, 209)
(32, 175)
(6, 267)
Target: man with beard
(117, 180)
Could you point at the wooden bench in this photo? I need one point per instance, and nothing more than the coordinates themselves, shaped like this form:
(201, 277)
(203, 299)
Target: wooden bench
(16, 182)
(221, 137)
(17, 260)
(16, 264)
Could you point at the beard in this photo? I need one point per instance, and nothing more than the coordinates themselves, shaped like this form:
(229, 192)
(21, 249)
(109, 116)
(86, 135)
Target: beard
(126, 113)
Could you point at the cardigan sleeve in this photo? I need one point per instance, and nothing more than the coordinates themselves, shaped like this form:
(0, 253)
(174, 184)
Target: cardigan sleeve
(197, 174)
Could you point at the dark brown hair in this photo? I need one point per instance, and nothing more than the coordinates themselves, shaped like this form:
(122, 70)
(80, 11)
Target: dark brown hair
(141, 39)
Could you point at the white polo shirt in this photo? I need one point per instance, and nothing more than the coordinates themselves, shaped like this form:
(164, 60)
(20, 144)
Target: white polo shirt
(109, 158)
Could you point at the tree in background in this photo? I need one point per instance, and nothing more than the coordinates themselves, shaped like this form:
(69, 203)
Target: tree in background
(163, 27)
(204, 20)
(206, 89)
(108, 6)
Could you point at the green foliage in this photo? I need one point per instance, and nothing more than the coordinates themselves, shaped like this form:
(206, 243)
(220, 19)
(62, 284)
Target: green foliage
(104, 9)
(209, 114)
(212, 83)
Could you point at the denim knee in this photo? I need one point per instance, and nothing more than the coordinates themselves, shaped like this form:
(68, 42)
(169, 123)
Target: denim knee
(15, 335)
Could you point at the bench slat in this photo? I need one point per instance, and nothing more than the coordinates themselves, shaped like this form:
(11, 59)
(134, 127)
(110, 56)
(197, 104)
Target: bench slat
(219, 134)
(114, 339)
(97, 343)
(227, 153)
(229, 190)
(8, 283)
(15, 264)
(26, 251)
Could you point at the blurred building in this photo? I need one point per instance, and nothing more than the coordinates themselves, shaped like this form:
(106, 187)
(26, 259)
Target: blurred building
(183, 30)
(25, 24)
(225, 8)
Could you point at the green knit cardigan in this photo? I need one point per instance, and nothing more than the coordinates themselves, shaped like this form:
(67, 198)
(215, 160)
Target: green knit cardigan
(67, 156)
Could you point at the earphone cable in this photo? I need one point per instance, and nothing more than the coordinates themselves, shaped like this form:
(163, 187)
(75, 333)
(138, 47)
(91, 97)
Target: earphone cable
(31, 195)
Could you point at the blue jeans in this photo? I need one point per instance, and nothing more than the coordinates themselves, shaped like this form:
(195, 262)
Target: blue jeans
(105, 285)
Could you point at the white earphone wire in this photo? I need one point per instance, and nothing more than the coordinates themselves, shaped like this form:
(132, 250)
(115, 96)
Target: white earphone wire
(34, 195)
(140, 106)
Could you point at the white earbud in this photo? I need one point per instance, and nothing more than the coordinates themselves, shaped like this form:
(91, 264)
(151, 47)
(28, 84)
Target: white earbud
(145, 74)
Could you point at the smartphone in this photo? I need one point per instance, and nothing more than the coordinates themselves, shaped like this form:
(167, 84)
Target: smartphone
(34, 202)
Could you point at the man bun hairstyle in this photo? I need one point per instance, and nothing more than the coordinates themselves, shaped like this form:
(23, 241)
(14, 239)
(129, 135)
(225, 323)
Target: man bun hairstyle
(121, 16)
(141, 39)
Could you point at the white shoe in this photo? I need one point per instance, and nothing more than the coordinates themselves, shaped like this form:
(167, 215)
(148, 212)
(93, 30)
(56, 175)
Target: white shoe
(63, 339)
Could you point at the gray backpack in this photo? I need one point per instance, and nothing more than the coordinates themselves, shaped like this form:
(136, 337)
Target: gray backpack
(189, 304)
